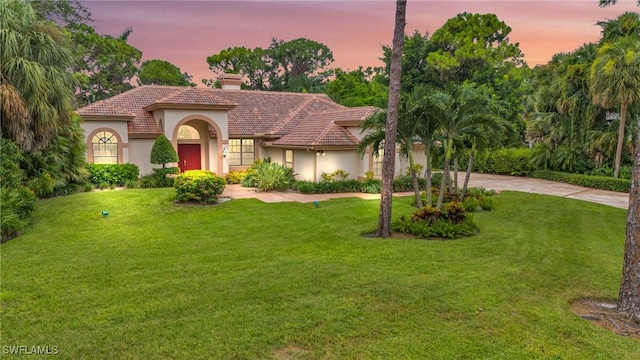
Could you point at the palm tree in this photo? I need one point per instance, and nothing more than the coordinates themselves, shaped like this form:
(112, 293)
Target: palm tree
(35, 87)
(629, 295)
(407, 132)
(615, 82)
(468, 113)
(388, 163)
(428, 110)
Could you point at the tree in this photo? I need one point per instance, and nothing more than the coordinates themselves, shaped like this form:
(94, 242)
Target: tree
(626, 24)
(297, 65)
(615, 82)
(360, 87)
(471, 46)
(388, 163)
(250, 63)
(469, 111)
(104, 64)
(407, 132)
(35, 87)
(163, 152)
(604, 3)
(629, 295)
(429, 111)
(161, 72)
(64, 12)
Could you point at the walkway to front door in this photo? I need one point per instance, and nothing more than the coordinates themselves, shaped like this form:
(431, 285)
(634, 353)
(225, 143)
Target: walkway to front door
(189, 155)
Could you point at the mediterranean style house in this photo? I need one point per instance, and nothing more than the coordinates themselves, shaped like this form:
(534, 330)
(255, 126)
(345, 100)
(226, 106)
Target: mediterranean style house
(224, 130)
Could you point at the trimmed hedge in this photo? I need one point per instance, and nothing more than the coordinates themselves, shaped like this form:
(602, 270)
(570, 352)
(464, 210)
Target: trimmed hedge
(372, 186)
(198, 185)
(596, 182)
(112, 174)
(513, 162)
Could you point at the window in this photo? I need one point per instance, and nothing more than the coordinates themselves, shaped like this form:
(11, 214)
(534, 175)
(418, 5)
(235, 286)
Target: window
(288, 158)
(377, 161)
(241, 152)
(186, 132)
(105, 148)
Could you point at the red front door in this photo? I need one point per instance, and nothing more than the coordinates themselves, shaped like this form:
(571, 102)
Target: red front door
(189, 155)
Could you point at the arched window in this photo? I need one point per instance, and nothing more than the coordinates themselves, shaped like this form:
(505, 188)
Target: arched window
(186, 132)
(105, 148)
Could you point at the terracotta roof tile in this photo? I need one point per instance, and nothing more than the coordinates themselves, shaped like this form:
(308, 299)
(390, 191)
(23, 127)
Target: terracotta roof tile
(102, 108)
(320, 129)
(302, 119)
(194, 96)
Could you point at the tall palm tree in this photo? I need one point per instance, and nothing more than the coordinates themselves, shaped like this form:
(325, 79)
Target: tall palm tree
(629, 295)
(35, 86)
(615, 82)
(388, 163)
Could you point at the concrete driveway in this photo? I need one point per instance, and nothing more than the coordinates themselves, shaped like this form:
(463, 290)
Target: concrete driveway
(487, 181)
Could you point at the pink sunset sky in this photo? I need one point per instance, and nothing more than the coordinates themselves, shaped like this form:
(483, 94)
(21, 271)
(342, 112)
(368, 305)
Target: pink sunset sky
(186, 32)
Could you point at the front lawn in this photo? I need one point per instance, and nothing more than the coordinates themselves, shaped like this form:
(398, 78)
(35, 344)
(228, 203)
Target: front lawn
(249, 280)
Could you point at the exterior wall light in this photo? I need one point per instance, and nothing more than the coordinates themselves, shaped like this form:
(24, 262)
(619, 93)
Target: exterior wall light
(224, 151)
(320, 153)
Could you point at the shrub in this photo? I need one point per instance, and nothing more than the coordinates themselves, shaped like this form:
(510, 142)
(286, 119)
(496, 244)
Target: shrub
(454, 212)
(486, 204)
(112, 174)
(471, 204)
(428, 214)
(152, 181)
(11, 174)
(404, 183)
(235, 177)
(268, 176)
(597, 182)
(305, 187)
(198, 185)
(18, 204)
(437, 229)
(505, 161)
(163, 152)
(512, 162)
(338, 175)
(42, 185)
(436, 179)
(371, 186)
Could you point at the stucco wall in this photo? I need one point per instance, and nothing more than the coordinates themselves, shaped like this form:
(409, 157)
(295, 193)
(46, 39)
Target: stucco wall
(139, 154)
(304, 165)
(276, 154)
(338, 160)
(171, 119)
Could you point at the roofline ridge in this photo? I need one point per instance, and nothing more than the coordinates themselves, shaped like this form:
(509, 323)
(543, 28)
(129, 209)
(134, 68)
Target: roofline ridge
(178, 91)
(320, 137)
(295, 112)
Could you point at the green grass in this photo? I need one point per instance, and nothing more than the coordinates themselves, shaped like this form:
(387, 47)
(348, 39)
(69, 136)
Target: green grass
(248, 280)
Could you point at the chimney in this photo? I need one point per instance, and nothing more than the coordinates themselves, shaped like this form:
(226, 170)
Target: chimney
(230, 81)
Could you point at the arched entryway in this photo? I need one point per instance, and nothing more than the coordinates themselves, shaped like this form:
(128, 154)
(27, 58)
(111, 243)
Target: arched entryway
(199, 144)
(189, 148)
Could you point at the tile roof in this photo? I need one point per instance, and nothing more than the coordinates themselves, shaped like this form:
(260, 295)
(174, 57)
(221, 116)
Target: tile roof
(302, 119)
(320, 129)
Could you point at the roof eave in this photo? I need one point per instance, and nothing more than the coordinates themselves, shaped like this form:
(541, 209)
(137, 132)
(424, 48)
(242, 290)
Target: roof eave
(143, 135)
(105, 117)
(348, 123)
